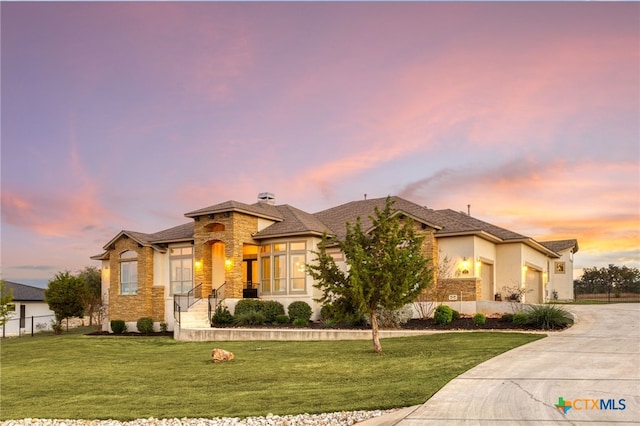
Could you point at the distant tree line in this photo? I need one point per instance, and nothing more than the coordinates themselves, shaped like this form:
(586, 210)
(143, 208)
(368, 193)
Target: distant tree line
(612, 279)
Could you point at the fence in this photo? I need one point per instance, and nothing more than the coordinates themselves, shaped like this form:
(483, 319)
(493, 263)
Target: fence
(27, 325)
(612, 297)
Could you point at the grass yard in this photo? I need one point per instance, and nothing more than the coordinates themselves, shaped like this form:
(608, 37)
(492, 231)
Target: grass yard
(82, 377)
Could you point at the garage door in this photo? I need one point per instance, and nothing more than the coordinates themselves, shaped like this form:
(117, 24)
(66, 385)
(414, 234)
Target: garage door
(533, 285)
(486, 274)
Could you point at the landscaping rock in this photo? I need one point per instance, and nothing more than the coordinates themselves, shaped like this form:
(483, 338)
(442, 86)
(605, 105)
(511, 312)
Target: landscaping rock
(220, 355)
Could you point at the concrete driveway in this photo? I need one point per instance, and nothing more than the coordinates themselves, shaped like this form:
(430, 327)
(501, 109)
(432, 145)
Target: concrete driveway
(593, 369)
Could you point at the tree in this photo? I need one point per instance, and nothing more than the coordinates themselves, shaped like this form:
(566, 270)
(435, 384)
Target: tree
(6, 307)
(386, 267)
(91, 296)
(63, 295)
(614, 278)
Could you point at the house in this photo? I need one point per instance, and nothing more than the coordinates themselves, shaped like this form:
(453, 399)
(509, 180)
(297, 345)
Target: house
(30, 311)
(232, 250)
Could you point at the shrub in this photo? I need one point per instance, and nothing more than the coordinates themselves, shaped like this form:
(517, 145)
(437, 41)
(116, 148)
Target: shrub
(300, 322)
(271, 309)
(118, 326)
(456, 315)
(299, 309)
(393, 318)
(164, 327)
(339, 313)
(145, 325)
(506, 318)
(326, 313)
(521, 318)
(249, 318)
(221, 315)
(548, 317)
(282, 319)
(443, 314)
(248, 305)
(479, 319)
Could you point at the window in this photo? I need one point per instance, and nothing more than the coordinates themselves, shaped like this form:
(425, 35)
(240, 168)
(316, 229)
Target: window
(181, 260)
(129, 272)
(283, 267)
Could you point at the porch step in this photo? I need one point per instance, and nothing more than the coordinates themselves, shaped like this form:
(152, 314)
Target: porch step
(196, 316)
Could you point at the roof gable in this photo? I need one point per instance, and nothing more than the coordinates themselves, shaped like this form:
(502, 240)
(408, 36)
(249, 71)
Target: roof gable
(295, 222)
(561, 245)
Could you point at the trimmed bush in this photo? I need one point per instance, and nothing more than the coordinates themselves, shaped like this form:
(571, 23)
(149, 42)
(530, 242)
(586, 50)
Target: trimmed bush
(300, 322)
(479, 319)
(506, 318)
(443, 315)
(271, 309)
(164, 327)
(145, 325)
(118, 326)
(282, 319)
(299, 309)
(249, 318)
(521, 318)
(221, 315)
(548, 317)
(456, 315)
(247, 305)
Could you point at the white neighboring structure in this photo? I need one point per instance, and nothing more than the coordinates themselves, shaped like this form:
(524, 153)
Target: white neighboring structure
(31, 313)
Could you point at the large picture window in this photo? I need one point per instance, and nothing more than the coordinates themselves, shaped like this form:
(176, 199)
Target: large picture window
(129, 272)
(283, 268)
(181, 260)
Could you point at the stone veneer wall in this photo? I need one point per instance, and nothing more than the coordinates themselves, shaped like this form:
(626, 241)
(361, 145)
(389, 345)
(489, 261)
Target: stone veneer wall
(470, 288)
(134, 306)
(238, 230)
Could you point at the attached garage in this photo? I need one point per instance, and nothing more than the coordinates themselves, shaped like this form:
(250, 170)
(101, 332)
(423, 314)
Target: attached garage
(533, 285)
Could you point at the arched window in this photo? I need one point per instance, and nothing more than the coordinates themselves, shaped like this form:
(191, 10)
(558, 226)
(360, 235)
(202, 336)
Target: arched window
(129, 272)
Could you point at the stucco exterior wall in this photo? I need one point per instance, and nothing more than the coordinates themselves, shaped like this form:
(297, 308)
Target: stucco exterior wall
(36, 313)
(561, 282)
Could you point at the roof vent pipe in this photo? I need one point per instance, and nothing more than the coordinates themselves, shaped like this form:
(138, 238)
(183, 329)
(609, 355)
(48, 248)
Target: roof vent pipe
(468, 209)
(267, 197)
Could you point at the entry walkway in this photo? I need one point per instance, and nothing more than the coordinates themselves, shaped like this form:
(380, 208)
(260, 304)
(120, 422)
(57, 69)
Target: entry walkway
(594, 366)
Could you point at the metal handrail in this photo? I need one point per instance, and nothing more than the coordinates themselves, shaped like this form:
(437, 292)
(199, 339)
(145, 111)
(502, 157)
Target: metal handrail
(176, 310)
(217, 294)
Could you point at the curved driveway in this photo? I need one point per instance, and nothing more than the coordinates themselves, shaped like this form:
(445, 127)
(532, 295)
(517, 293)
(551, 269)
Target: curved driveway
(594, 366)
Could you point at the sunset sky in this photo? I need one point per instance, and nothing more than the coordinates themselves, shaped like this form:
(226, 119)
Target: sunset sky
(128, 115)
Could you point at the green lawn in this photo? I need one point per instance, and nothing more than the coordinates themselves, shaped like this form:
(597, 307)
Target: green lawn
(83, 377)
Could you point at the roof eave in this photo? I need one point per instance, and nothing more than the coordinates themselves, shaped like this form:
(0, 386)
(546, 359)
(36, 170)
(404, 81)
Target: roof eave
(195, 214)
(475, 233)
(289, 234)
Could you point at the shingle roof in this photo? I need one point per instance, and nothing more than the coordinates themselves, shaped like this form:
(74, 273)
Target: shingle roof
(291, 221)
(561, 245)
(25, 293)
(456, 222)
(177, 233)
(336, 217)
(258, 209)
(295, 222)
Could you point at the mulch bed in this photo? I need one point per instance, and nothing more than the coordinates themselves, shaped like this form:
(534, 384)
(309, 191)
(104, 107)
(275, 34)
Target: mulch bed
(463, 323)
